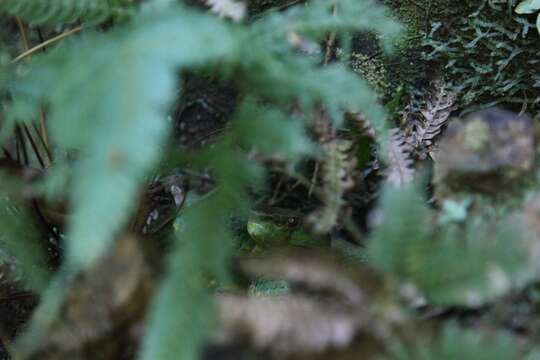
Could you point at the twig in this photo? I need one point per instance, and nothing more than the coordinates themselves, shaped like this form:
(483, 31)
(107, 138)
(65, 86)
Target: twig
(34, 146)
(44, 137)
(331, 40)
(313, 179)
(47, 43)
(20, 25)
(42, 134)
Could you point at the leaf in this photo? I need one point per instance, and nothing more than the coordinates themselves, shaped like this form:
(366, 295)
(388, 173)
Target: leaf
(20, 239)
(528, 7)
(400, 166)
(123, 83)
(422, 132)
(288, 75)
(491, 261)
(335, 86)
(455, 342)
(184, 288)
(183, 301)
(56, 12)
(338, 165)
(402, 227)
(126, 81)
(272, 132)
(314, 21)
(324, 295)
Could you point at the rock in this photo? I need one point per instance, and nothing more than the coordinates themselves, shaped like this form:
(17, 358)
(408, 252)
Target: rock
(486, 152)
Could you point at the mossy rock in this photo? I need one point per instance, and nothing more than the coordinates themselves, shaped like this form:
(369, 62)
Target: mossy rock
(490, 151)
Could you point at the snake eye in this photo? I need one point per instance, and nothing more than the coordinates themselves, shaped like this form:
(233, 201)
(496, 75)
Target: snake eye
(292, 221)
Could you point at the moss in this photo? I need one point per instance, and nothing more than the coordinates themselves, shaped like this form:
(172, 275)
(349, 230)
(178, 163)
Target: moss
(407, 67)
(489, 54)
(373, 70)
(418, 15)
(476, 135)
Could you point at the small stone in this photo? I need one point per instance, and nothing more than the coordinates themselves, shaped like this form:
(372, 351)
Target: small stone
(486, 151)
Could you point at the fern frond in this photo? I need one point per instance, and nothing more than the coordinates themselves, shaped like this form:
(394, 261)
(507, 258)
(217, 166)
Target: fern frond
(59, 12)
(349, 16)
(301, 322)
(491, 261)
(288, 75)
(20, 246)
(400, 165)
(337, 169)
(334, 86)
(125, 82)
(205, 229)
(184, 286)
(270, 131)
(434, 116)
(455, 342)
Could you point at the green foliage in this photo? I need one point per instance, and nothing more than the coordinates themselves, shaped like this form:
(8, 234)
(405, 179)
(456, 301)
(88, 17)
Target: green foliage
(272, 132)
(20, 240)
(287, 75)
(313, 21)
(529, 7)
(457, 343)
(487, 53)
(491, 257)
(127, 80)
(59, 12)
(107, 97)
(183, 301)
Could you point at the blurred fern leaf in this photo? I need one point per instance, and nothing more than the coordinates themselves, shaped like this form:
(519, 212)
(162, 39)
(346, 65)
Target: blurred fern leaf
(19, 240)
(404, 245)
(127, 81)
(456, 343)
(59, 12)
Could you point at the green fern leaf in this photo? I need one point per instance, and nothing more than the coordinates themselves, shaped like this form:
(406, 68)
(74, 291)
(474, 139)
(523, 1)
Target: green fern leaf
(20, 240)
(272, 132)
(59, 12)
(319, 17)
(491, 261)
(288, 75)
(184, 286)
(125, 82)
(456, 343)
(202, 250)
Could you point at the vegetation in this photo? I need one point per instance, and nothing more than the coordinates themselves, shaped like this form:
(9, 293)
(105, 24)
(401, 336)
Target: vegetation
(182, 180)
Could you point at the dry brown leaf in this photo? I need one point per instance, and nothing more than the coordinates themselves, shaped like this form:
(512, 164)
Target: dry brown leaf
(288, 324)
(400, 165)
(423, 128)
(329, 303)
(111, 294)
(337, 173)
(316, 271)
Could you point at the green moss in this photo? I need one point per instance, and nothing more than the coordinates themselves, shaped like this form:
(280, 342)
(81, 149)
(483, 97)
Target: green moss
(418, 15)
(476, 135)
(373, 70)
(407, 67)
(489, 54)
